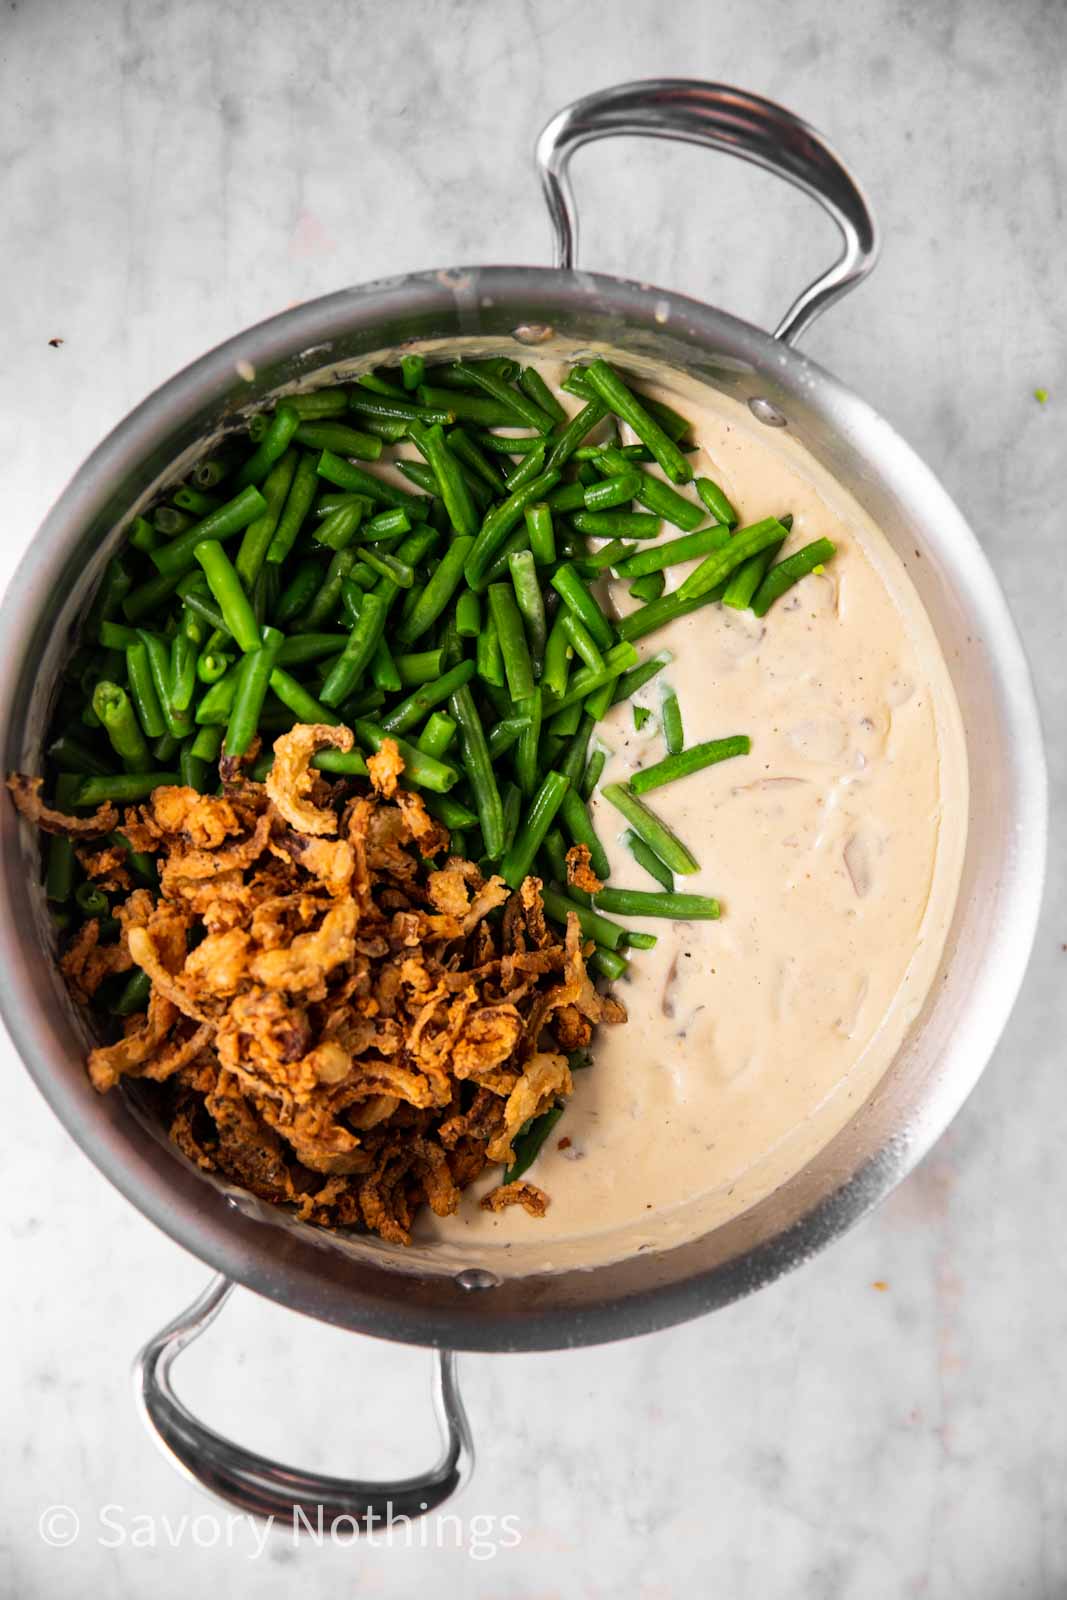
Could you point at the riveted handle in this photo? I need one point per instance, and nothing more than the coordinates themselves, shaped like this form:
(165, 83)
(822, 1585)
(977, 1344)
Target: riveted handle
(726, 119)
(266, 1488)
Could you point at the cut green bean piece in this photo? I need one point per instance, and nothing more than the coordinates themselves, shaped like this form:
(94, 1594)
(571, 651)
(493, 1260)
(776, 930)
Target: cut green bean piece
(671, 722)
(746, 579)
(175, 559)
(657, 613)
(500, 522)
(648, 903)
(718, 566)
(608, 493)
(339, 529)
(479, 771)
(618, 659)
(523, 408)
(275, 442)
(541, 533)
(530, 601)
(123, 788)
(142, 690)
(647, 826)
(259, 534)
(437, 736)
(509, 630)
(252, 681)
(481, 409)
(577, 429)
(519, 860)
(615, 394)
(558, 906)
(574, 594)
(415, 707)
(413, 369)
(303, 705)
(655, 495)
(354, 659)
(297, 505)
(356, 480)
(649, 588)
(468, 615)
(531, 466)
(112, 705)
(787, 572)
(574, 815)
(684, 762)
(437, 595)
(526, 1147)
(339, 439)
(687, 548)
(647, 858)
(452, 484)
(420, 770)
(591, 777)
(232, 600)
(580, 639)
(533, 385)
(716, 501)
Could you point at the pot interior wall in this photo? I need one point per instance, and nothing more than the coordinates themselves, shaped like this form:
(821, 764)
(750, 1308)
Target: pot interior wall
(362, 1283)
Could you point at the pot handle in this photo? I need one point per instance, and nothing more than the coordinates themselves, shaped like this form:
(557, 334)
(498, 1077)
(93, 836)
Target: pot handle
(265, 1488)
(740, 124)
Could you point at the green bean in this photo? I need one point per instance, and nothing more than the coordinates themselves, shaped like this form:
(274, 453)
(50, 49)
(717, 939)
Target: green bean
(415, 707)
(579, 637)
(142, 535)
(328, 502)
(386, 525)
(649, 903)
(141, 602)
(469, 452)
(259, 535)
(420, 770)
(558, 906)
(303, 705)
(608, 493)
(469, 615)
(438, 592)
(531, 604)
(557, 647)
(573, 763)
(59, 870)
(134, 995)
(565, 723)
(511, 800)
(214, 708)
(591, 777)
(519, 859)
(531, 466)
(209, 474)
(72, 757)
(716, 501)
(187, 499)
(523, 408)
(640, 941)
(301, 590)
(275, 441)
(610, 388)
(611, 555)
(207, 744)
(655, 495)
(481, 409)
(383, 668)
(346, 475)
(661, 556)
(554, 851)
(504, 734)
(179, 557)
(390, 566)
(576, 597)
(116, 636)
(184, 654)
(648, 827)
(252, 680)
(499, 523)
(527, 748)
(509, 444)
(657, 613)
(787, 572)
(325, 601)
(586, 682)
(124, 788)
(363, 641)
(450, 377)
(374, 383)
(318, 403)
(213, 665)
(339, 439)
(344, 763)
(413, 369)
(632, 452)
(303, 647)
(649, 588)
(574, 814)
(746, 579)
(177, 723)
(534, 386)
(577, 429)
(610, 963)
(337, 531)
(716, 567)
(673, 732)
(380, 406)
(142, 690)
(541, 533)
(110, 596)
(499, 570)
(168, 521)
(422, 475)
(507, 621)
(194, 773)
(647, 858)
(568, 497)
(675, 426)
(452, 485)
(479, 770)
(232, 600)
(165, 749)
(437, 736)
(92, 900)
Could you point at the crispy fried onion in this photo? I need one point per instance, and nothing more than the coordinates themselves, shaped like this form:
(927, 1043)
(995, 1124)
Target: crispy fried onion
(26, 794)
(355, 1026)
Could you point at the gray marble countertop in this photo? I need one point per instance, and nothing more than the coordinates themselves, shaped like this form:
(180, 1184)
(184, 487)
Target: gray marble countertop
(889, 1420)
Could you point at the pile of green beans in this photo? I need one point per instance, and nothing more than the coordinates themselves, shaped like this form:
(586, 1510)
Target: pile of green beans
(291, 579)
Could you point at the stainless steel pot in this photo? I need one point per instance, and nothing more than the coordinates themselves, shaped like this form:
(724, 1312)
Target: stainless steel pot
(994, 922)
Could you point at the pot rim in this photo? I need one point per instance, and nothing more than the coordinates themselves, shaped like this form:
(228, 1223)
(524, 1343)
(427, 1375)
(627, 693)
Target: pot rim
(222, 1238)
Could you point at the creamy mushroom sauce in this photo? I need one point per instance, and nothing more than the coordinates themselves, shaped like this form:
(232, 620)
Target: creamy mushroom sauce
(835, 848)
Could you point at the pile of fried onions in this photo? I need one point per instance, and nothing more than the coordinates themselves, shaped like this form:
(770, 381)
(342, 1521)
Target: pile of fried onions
(338, 1023)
